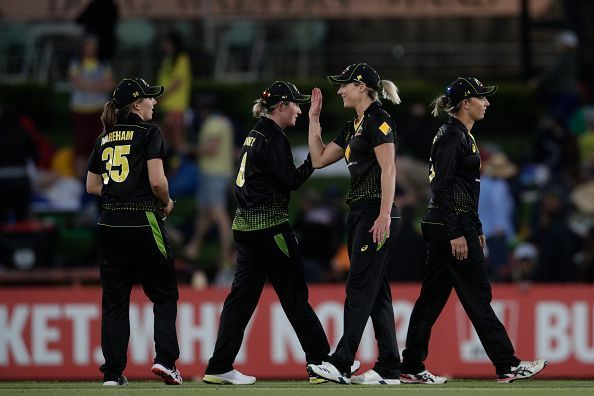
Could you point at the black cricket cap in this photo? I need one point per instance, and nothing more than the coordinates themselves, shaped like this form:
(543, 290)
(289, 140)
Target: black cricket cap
(130, 89)
(283, 91)
(357, 72)
(466, 87)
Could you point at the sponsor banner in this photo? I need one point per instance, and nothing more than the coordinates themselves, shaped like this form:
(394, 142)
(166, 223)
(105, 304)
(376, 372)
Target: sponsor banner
(54, 333)
(197, 9)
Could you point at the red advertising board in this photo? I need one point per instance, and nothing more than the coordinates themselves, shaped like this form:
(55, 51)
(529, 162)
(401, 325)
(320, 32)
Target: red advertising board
(54, 333)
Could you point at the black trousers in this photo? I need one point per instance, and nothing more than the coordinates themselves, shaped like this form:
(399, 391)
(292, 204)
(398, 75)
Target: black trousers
(469, 278)
(262, 255)
(368, 294)
(125, 253)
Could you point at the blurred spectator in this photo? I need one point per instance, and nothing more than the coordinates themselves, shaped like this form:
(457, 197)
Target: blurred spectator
(417, 133)
(585, 259)
(17, 155)
(556, 148)
(524, 263)
(320, 227)
(91, 82)
(215, 164)
(175, 74)
(496, 211)
(586, 143)
(556, 242)
(100, 18)
(558, 84)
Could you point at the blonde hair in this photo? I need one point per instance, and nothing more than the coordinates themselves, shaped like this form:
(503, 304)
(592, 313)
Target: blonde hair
(389, 91)
(445, 104)
(261, 110)
(109, 117)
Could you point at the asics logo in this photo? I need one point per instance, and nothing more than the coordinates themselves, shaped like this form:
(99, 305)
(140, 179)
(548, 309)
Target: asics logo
(364, 248)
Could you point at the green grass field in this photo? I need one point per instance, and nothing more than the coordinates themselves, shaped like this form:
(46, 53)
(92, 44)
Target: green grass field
(293, 388)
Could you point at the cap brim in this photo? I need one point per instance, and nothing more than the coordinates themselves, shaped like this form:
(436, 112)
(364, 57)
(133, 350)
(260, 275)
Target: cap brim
(490, 90)
(153, 92)
(337, 79)
(300, 99)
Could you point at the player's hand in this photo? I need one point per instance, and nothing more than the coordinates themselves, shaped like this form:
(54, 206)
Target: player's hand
(459, 248)
(167, 209)
(381, 228)
(316, 104)
(482, 241)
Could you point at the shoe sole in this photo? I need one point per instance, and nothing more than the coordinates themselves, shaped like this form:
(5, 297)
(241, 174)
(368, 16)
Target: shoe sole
(341, 380)
(412, 381)
(380, 382)
(213, 380)
(317, 381)
(510, 380)
(165, 376)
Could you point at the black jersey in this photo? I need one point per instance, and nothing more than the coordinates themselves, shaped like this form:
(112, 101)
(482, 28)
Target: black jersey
(358, 140)
(265, 177)
(120, 156)
(455, 176)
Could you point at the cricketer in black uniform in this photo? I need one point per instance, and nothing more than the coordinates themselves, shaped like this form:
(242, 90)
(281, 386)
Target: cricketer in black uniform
(131, 236)
(453, 213)
(266, 245)
(368, 290)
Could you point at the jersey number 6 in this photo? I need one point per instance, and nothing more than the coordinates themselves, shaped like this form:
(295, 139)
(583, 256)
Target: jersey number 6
(240, 181)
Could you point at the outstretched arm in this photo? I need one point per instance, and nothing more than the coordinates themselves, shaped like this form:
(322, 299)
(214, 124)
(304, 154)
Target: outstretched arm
(321, 155)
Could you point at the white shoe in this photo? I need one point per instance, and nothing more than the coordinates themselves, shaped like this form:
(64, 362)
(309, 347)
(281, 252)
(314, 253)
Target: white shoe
(316, 380)
(329, 372)
(371, 377)
(121, 381)
(526, 369)
(424, 377)
(232, 377)
(170, 376)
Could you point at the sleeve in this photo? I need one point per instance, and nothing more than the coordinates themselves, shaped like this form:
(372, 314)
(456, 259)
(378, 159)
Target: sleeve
(280, 161)
(447, 155)
(95, 165)
(155, 145)
(341, 137)
(381, 129)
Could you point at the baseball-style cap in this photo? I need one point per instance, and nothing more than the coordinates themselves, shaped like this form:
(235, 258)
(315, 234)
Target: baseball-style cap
(130, 89)
(357, 72)
(281, 91)
(466, 87)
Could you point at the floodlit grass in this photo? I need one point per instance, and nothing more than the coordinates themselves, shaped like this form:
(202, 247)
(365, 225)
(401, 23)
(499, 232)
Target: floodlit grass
(298, 388)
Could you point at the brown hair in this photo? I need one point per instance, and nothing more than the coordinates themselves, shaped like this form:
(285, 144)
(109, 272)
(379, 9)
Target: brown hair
(110, 114)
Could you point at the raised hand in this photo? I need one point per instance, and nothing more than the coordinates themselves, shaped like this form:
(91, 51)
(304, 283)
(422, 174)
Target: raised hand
(316, 103)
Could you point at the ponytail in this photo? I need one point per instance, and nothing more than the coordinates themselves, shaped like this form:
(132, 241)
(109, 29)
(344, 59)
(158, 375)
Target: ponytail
(259, 109)
(109, 117)
(445, 104)
(390, 91)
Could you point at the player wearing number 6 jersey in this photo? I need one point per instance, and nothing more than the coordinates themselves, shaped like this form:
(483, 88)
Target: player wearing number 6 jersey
(266, 245)
(126, 170)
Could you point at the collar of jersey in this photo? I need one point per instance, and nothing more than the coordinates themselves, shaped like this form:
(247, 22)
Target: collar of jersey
(457, 123)
(375, 105)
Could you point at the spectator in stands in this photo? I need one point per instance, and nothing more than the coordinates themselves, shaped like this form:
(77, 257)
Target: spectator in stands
(496, 211)
(556, 242)
(175, 74)
(99, 18)
(524, 263)
(320, 229)
(558, 84)
(215, 162)
(17, 155)
(91, 82)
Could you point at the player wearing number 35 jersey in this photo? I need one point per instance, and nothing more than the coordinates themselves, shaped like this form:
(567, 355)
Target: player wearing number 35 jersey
(266, 245)
(125, 169)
